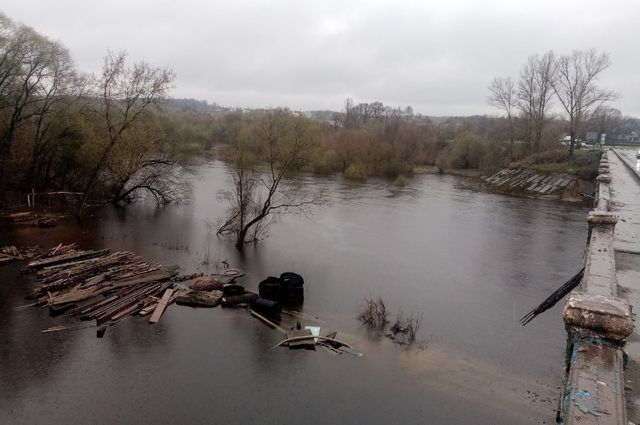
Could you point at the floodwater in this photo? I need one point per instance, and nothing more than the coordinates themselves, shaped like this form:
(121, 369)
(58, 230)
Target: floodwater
(472, 263)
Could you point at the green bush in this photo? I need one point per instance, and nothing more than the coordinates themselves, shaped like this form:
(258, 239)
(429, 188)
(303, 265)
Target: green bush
(327, 162)
(356, 171)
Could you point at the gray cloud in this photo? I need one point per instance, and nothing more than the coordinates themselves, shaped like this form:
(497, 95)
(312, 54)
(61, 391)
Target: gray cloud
(436, 56)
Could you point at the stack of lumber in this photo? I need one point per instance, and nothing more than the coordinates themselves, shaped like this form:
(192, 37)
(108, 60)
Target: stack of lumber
(108, 286)
(97, 285)
(11, 253)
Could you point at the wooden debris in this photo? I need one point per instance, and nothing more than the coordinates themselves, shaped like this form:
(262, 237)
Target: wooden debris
(18, 217)
(67, 328)
(162, 304)
(148, 309)
(9, 254)
(309, 337)
(64, 258)
(95, 284)
(302, 338)
(47, 222)
(267, 321)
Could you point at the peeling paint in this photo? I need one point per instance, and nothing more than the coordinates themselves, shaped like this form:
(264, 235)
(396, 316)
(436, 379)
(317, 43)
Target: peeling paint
(581, 400)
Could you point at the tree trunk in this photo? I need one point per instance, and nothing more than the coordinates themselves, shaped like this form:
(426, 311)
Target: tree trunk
(242, 235)
(571, 146)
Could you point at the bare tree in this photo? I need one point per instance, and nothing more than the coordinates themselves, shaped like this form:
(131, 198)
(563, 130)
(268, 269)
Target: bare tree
(575, 85)
(281, 145)
(58, 90)
(25, 59)
(142, 164)
(503, 96)
(535, 95)
(126, 93)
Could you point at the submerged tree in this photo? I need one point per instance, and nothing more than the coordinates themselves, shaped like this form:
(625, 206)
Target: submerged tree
(277, 145)
(126, 94)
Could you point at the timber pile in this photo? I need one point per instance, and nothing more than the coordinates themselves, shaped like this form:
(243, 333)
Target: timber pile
(97, 284)
(11, 253)
(108, 286)
(31, 218)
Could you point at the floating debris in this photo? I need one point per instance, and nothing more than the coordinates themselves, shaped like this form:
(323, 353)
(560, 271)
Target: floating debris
(106, 287)
(9, 254)
(289, 287)
(199, 298)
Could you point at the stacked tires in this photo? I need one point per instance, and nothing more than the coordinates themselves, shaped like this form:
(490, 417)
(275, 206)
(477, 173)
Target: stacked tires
(289, 287)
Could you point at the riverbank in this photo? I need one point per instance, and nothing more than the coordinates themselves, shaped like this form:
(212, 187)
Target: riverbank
(526, 182)
(541, 176)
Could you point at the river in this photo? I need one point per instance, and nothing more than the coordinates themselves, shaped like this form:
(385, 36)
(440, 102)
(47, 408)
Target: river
(473, 263)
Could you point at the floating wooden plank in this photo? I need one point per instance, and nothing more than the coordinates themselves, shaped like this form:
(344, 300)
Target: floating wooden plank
(162, 304)
(148, 309)
(267, 321)
(97, 304)
(66, 258)
(77, 294)
(153, 276)
(67, 328)
(133, 298)
(129, 310)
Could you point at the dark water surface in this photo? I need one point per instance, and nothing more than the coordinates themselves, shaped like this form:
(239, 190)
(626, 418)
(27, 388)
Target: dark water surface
(473, 263)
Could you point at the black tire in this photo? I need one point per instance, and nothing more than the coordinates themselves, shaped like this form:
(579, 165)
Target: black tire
(291, 280)
(232, 289)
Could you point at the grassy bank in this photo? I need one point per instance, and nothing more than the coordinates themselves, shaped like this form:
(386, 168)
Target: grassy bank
(583, 164)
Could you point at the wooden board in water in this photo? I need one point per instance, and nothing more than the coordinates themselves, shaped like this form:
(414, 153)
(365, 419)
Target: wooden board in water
(162, 304)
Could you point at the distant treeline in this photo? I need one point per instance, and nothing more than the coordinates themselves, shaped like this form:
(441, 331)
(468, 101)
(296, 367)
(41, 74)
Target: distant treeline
(371, 139)
(117, 135)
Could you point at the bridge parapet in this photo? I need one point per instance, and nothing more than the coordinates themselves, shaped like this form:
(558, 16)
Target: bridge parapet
(598, 323)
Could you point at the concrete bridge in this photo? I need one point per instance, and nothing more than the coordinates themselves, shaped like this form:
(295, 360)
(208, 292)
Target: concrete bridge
(603, 347)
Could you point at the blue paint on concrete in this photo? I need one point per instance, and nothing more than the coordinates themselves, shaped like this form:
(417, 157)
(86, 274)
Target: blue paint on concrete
(581, 394)
(581, 399)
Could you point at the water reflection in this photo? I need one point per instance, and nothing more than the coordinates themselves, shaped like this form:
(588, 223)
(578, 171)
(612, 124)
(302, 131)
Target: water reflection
(472, 262)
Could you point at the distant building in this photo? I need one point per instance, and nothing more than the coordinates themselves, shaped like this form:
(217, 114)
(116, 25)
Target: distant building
(629, 138)
(592, 137)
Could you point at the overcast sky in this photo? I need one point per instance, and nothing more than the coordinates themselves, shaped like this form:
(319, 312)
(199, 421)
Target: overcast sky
(437, 56)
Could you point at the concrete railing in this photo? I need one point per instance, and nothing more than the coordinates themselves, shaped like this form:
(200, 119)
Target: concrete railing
(598, 323)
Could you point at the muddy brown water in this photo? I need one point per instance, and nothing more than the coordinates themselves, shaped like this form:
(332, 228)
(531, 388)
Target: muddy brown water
(472, 263)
